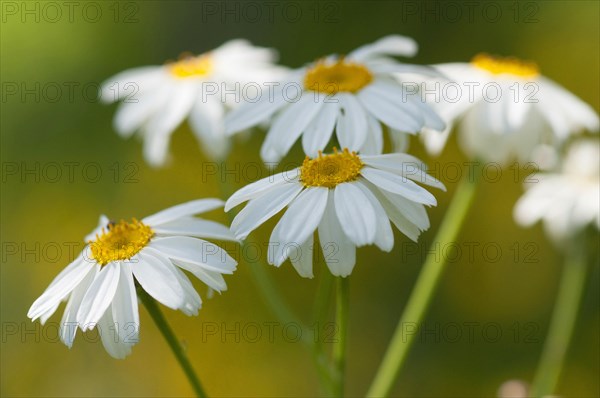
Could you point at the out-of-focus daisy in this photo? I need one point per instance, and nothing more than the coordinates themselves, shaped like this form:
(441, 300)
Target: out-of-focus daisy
(157, 99)
(100, 285)
(505, 108)
(353, 95)
(568, 201)
(349, 199)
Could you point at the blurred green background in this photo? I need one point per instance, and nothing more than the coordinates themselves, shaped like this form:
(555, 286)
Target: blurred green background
(41, 213)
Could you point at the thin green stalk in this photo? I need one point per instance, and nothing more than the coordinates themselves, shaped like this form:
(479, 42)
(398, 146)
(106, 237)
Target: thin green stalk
(339, 348)
(321, 311)
(172, 340)
(425, 286)
(563, 321)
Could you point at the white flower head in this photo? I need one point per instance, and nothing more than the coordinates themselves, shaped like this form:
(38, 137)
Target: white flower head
(568, 201)
(100, 285)
(157, 99)
(353, 95)
(350, 199)
(504, 108)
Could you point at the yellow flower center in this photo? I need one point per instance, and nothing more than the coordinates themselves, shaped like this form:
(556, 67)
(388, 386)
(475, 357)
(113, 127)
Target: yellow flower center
(121, 241)
(190, 66)
(330, 170)
(505, 65)
(339, 76)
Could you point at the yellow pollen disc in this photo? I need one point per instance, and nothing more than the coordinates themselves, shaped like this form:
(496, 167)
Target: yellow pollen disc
(190, 66)
(121, 241)
(330, 170)
(340, 76)
(506, 65)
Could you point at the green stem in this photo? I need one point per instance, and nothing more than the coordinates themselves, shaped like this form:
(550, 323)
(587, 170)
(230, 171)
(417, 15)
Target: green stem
(321, 311)
(423, 291)
(172, 340)
(563, 321)
(339, 349)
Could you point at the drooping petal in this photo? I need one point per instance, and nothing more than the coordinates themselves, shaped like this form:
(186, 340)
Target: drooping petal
(61, 286)
(338, 250)
(158, 277)
(99, 296)
(355, 214)
(125, 311)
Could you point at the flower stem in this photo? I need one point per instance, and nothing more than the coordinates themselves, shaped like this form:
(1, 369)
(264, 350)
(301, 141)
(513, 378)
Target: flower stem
(339, 349)
(423, 291)
(172, 340)
(563, 320)
(321, 312)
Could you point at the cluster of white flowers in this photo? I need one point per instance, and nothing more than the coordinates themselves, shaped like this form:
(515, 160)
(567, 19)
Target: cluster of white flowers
(349, 195)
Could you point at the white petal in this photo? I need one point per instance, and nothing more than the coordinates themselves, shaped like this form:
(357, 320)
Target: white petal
(133, 114)
(384, 236)
(99, 296)
(388, 45)
(386, 67)
(206, 121)
(304, 214)
(259, 210)
(190, 226)
(192, 301)
(302, 256)
(158, 277)
(129, 83)
(580, 114)
(391, 114)
(319, 131)
(413, 212)
(125, 311)
(406, 166)
(258, 188)
(60, 287)
(290, 124)
(159, 128)
(212, 278)
(195, 251)
(250, 114)
(398, 185)
(339, 252)
(374, 142)
(68, 324)
(352, 123)
(182, 210)
(355, 214)
(110, 340)
(403, 224)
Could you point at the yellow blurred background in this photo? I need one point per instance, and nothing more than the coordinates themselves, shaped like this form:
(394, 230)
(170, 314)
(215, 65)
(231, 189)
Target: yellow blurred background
(54, 54)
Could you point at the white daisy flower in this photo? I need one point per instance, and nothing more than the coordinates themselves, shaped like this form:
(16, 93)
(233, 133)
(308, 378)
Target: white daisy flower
(353, 95)
(505, 108)
(100, 285)
(349, 199)
(568, 201)
(157, 99)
